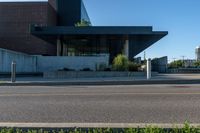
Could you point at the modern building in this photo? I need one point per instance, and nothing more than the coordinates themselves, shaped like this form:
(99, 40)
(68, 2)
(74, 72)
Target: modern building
(48, 28)
(197, 53)
(160, 64)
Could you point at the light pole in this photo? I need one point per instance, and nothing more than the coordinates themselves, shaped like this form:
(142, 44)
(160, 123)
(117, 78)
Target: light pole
(144, 55)
(183, 60)
(174, 59)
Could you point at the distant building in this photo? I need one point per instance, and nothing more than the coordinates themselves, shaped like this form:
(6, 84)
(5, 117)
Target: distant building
(160, 64)
(197, 53)
(189, 63)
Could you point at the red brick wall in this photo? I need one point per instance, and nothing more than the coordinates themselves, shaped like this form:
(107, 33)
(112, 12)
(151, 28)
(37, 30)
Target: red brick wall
(15, 18)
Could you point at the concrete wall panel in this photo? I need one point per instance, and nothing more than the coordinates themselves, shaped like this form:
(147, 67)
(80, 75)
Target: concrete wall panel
(25, 63)
(29, 63)
(53, 63)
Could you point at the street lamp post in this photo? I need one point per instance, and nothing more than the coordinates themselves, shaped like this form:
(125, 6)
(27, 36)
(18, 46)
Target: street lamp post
(183, 60)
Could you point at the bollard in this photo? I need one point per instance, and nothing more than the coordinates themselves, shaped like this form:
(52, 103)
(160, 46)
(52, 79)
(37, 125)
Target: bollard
(148, 69)
(13, 71)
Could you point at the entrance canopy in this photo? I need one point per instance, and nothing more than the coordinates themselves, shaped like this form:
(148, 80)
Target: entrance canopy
(113, 38)
(94, 30)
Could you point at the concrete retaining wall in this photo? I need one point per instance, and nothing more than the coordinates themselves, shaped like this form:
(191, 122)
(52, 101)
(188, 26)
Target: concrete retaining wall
(54, 63)
(28, 63)
(25, 63)
(84, 74)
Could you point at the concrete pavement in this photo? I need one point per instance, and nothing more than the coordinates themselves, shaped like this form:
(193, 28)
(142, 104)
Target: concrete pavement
(138, 80)
(100, 104)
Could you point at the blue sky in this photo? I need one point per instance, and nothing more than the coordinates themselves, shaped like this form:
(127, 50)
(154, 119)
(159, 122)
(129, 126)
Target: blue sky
(181, 18)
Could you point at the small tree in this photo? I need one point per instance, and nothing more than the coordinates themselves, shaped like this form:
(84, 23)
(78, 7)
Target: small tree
(83, 22)
(120, 63)
(176, 64)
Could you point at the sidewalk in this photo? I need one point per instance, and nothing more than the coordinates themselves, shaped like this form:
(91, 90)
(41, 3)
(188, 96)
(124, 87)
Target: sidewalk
(159, 79)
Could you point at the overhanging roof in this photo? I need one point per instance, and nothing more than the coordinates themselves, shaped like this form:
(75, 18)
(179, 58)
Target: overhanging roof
(94, 30)
(142, 35)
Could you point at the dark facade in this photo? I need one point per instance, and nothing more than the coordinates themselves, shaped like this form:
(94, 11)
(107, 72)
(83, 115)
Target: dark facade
(70, 12)
(14, 26)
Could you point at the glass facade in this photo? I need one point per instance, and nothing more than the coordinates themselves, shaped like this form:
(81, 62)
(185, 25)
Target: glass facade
(84, 14)
(85, 47)
(92, 46)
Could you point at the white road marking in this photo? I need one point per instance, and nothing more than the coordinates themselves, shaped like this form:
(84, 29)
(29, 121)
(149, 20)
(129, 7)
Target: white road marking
(95, 94)
(93, 125)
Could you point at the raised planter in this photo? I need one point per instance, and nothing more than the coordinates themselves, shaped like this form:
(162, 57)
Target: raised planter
(84, 74)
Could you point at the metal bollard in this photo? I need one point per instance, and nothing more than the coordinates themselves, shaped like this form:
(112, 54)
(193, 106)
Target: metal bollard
(148, 69)
(13, 71)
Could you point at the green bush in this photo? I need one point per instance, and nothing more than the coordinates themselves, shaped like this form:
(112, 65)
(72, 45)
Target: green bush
(133, 66)
(120, 63)
(176, 64)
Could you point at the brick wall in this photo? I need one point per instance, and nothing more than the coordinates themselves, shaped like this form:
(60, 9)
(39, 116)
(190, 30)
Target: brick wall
(14, 26)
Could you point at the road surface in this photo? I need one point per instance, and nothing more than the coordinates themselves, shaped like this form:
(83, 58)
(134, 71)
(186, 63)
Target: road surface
(93, 104)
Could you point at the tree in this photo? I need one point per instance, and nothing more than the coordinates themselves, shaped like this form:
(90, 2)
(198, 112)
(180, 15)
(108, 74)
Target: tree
(197, 64)
(176, 64)
(83, 22)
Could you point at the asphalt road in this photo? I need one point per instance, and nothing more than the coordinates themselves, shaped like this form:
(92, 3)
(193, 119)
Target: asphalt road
(110, 104)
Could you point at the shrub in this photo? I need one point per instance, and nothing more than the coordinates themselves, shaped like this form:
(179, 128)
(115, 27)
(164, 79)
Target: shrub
(107, 69)
(133, 66)
(86, 69)
(101, 67)
(66, 69)
(120, 63)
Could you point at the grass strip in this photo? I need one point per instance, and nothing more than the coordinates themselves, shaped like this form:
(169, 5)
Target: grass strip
(149, 129)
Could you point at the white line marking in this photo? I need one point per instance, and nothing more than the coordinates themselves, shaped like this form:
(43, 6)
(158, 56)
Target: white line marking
(93, 125)
(93, 94)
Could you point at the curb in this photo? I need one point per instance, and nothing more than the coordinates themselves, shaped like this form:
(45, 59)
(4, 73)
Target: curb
(92, 125)
(82, 83)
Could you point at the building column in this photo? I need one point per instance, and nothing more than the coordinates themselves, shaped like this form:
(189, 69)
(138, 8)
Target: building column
(58, 47)
(103, 44)
(126, 48)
